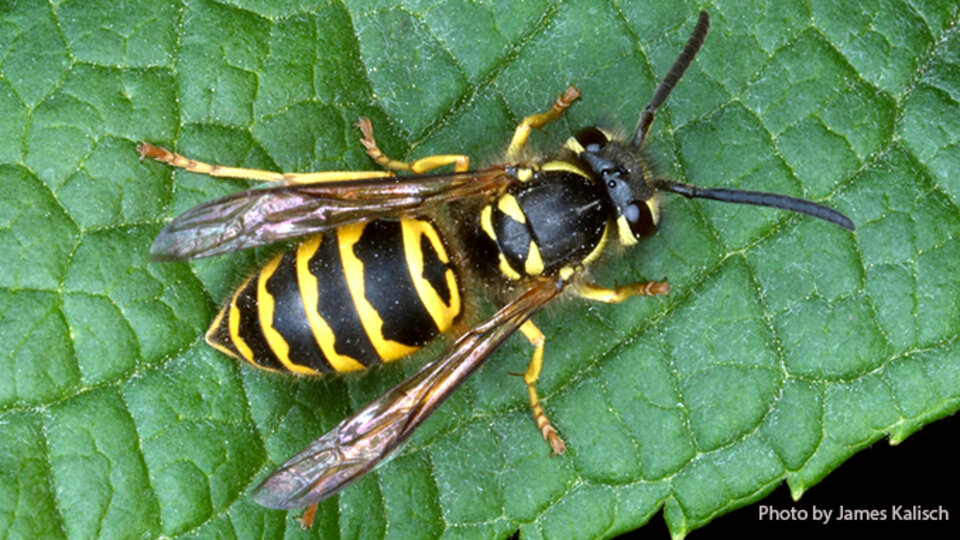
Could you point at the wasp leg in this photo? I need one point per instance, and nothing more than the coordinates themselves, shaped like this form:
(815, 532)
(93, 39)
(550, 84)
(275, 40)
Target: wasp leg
(536, 338)
(176, 160)
(306, 520)
(592, 291)
(460, 162)
(556, 110)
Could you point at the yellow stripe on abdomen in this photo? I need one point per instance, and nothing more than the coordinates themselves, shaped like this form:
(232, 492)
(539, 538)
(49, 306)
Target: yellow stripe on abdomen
(309, 290)
(353, 269)
(443, 312)
(265, 309)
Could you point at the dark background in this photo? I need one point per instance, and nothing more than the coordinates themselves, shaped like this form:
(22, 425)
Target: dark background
(923, 470)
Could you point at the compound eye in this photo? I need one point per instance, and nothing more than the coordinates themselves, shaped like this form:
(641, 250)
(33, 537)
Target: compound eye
(591, 136)
(640, 218)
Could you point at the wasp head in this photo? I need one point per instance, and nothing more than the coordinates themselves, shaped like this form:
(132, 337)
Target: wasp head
(623, 175)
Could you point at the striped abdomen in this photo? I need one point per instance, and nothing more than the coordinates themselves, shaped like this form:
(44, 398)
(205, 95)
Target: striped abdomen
(363, 294)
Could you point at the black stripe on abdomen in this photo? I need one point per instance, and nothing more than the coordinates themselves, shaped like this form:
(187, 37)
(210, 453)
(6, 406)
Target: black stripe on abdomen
(388, 287)
(335, 304)
(290, 319)
(249, 333)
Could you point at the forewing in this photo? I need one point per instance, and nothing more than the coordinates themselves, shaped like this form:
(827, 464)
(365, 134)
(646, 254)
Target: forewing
(356, 445)
(257, 217)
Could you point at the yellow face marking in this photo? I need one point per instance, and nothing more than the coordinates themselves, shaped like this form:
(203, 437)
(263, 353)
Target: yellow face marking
(310, 295)
(654, 205)
(486, 222)
(533, 265)
(563, 166)
(507, 270)
(234, 324)
(265, 309)
(508, 205)
(574, 145)
(441, 313)
(353, 269)
(625, 234)
(524, 174)
(566, 272)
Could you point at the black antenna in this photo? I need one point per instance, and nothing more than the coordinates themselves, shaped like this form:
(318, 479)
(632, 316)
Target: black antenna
(672, 78)
(758, 198)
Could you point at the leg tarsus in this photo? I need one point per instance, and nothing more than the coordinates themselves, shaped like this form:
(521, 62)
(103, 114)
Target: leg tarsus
(592, 291)
(460, 162)
(556, 110)
(538, 341)
(306, 520)
(377, 155)
(148, 150)
(174, 159)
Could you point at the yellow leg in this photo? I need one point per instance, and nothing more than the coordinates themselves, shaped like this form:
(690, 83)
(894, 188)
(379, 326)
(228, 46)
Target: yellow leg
(176, 160)
(536, 338)
(591, 291)
(522, 133)
(460, 162)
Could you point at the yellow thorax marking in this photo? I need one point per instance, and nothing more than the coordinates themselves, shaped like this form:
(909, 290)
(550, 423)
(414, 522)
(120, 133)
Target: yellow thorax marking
(533, 265)
(573, 145)
(563, 166)
(486, 222)
(508, 205)
(508, 270)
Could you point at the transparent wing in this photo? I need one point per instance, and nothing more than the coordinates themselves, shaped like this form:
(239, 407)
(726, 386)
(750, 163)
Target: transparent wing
(258, 217)
(356, 445)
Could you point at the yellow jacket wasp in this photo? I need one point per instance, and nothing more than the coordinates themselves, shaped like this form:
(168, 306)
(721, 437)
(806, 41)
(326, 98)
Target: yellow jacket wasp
(384, 268)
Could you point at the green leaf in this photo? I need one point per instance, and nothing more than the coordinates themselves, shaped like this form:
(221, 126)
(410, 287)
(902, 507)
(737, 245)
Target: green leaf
(785, 347)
